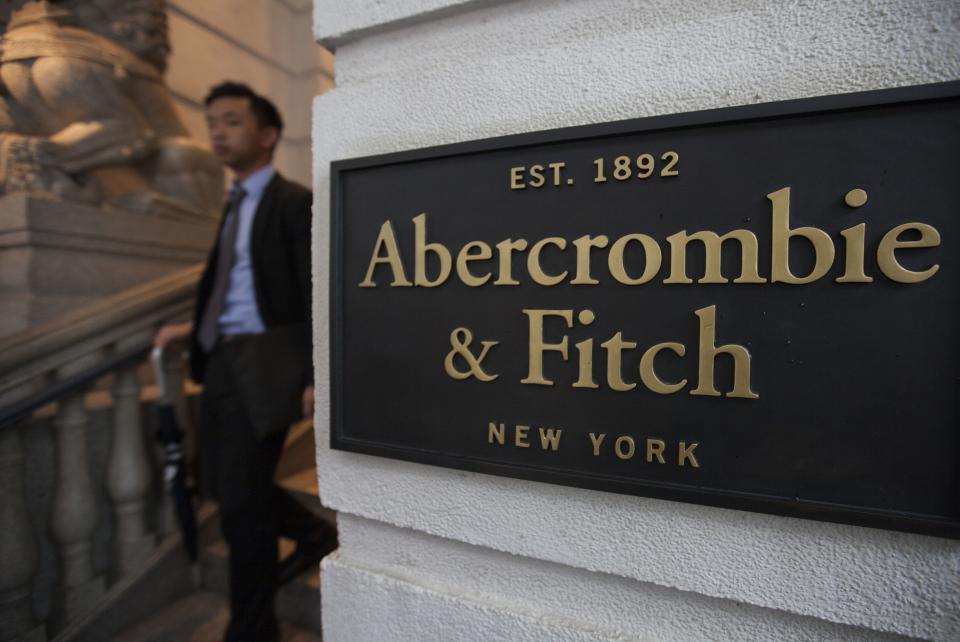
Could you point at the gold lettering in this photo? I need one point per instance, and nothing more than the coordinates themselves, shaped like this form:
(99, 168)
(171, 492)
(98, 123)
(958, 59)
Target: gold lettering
(651, 255)
(855, 198)
(387, 241)
(537, 346)
(465, 256)
(887, 260)
(505, 249)
(536, 176)
(854, 261)
(495, 432)
(516, 178)
(709, 352)
(460, 340)
(421, 247)
(550, 437)
(655, 448)
(520, 436)
(583, 245)
(585, 352)
(533, 261)
(614, 347)
(686, 454)
(631, 447)
(648, 374)
(780, 260)
(596, 440)
(557, 168)
(712, 245)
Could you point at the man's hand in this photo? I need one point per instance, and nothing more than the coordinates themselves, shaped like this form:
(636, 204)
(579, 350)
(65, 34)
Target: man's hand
(172, 333)
(308, 402)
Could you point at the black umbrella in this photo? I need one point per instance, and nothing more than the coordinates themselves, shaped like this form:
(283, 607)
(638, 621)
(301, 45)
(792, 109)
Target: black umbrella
(174, 472)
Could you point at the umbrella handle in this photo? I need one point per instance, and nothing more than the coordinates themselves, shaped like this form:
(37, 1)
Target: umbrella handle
(159, 374)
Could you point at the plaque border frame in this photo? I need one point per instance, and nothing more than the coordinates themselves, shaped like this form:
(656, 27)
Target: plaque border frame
(738, 500)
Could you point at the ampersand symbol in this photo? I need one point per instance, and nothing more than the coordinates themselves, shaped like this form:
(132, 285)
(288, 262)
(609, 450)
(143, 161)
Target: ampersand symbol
(460, 340)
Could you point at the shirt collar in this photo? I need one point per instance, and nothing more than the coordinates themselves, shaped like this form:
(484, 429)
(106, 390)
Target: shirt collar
(254, 184)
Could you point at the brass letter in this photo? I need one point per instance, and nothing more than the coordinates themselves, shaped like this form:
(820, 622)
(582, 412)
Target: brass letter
(651, 256)
(583, 244)
(505, 249)
(387, 240)
(536, 176)
(550, 437)
(533, 261)
(687, 453)
(493, 432)
(614, 347)
(780, 260)
(585, 352)
(538, 347)
(854, 261)
(516, 178)
(556, 167)
(655, 449)
(648, 374)
(597, 440)
(712, 245)
(631, 447)
(464, 257)
(421, 247)
(887, 260)
(520, 436)
(709, 352)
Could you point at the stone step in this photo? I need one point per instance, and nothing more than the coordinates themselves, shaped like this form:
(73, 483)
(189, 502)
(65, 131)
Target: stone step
(297, 474)
(298, 602)
(299, 452)
(199, 617)
(305, 489)
(165, 576)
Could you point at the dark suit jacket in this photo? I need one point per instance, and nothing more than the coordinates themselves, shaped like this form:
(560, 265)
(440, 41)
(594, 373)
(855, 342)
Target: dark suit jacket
(272, 369)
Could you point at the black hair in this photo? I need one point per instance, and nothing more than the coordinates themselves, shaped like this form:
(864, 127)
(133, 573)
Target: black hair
(263, 110)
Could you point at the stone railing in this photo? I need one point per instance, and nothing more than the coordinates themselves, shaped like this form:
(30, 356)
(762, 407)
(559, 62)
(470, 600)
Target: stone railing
(52, 369)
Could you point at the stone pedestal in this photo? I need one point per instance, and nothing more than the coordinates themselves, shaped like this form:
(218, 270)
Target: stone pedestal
(74, 602)
(56, 256)
(38, 634)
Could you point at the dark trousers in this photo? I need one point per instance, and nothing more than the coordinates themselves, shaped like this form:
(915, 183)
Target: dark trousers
(237, 471)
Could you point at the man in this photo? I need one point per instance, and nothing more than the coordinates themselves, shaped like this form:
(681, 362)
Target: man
(250, 344)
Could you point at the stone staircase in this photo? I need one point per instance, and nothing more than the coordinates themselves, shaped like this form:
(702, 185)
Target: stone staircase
(199, 617)
(90, 548)
(201, 614)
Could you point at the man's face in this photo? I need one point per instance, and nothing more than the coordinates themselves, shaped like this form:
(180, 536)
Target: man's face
(237, 140)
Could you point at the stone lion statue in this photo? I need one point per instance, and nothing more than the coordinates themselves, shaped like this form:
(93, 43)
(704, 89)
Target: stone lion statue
(85, 115)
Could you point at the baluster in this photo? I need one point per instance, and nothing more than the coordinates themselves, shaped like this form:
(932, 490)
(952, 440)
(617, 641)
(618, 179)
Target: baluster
(173, 373)
(74, 517)
(18, 549)
(128, 475)
(173, 366)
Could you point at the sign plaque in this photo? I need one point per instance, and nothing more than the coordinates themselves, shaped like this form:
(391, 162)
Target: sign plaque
(753, 307)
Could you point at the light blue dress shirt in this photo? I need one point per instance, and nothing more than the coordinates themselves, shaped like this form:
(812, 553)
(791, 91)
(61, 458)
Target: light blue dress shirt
(240, 314)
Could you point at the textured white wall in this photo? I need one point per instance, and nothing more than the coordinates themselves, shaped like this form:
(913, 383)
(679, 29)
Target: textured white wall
(429, 553)
(339, 22)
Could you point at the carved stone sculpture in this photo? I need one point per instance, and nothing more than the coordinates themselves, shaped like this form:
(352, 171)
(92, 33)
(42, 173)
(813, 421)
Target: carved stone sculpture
(85, 115)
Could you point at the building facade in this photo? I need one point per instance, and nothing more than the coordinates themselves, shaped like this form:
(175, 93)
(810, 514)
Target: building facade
(429, 553)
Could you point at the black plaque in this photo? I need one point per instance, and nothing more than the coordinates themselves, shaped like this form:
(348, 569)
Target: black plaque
(855, 415)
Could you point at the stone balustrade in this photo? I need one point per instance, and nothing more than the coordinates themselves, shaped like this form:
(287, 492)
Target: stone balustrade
(54, 367)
